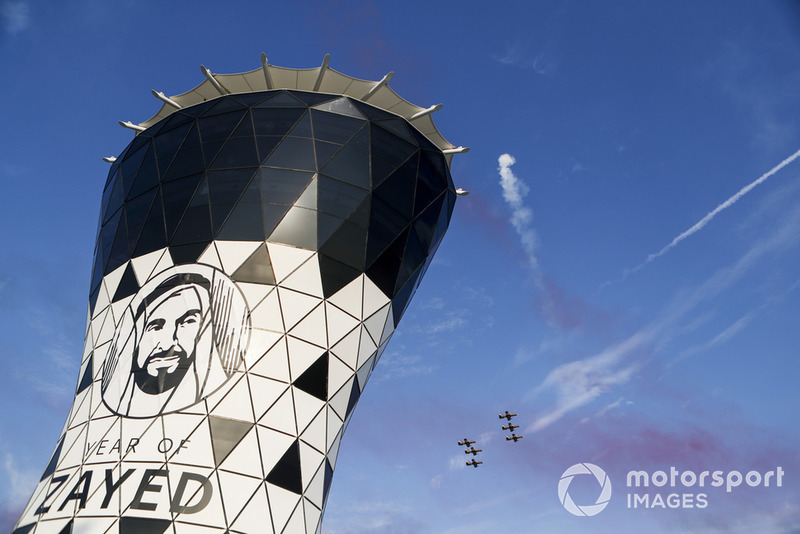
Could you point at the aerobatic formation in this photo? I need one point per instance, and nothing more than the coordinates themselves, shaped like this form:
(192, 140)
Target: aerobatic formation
(259, 240)
(474, 452)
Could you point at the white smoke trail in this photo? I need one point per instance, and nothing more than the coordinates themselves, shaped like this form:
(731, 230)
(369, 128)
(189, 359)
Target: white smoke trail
(514, 190)
(713, 213)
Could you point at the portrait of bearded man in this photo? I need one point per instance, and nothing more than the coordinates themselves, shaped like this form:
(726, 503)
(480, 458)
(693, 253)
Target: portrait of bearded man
(180, 339)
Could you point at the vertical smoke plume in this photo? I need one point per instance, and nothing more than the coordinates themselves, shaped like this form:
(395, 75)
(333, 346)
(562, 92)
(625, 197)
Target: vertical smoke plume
(514, 191)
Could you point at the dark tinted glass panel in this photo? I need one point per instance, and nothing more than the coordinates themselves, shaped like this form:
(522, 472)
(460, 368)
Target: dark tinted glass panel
(325, 151)
(119, 251)
(348, 245)
(436, 160)
(130, 166)
(146, 178)
(273, 214)
(266, 144)
(201, 197)
(380, 170)
(222, 105)
(372, 112)
(138, 142)
(335, 275)
(194, 227)
(293, 153)
(107, 235)
(97, 276)
(338, 198)
(422, 141)
(402, 298)
(227, 186)
(237, 152)
(245, 128)
(351, 163)
(425, 223)
(128, 285)
(173, 121)
(312, 99)
(199, 109)
(113, 198)
(398, 189)
(219, 126)
(167, 144)
(219, 214)
(286, 472)
(390, 148)
(177, 195)
(302, 128)
(275, 121)
(188, 253)
(280, 186)
(189, 159)
(429, 186)
(362, 213)
(333, 127)
(326, 226)
(399, 128)
(281, 99)
(136, 211)
(152, 236)
(251, 99)
(243, 224)
(384, 269)
(314, 380)
(385, 222)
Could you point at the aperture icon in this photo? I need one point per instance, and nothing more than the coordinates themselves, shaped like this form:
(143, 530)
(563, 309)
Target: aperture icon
(588, 509)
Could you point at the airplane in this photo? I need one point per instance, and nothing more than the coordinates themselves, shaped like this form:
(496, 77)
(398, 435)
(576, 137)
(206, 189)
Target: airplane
(507, 415)
(466, 442)
(514, 437)
(510, 427)
(473, 451)
(474, 463)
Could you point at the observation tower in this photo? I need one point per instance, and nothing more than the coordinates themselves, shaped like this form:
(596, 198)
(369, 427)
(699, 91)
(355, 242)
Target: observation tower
(259, 240)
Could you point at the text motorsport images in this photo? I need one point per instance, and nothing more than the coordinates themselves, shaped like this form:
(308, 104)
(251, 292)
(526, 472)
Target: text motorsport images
(642, 487)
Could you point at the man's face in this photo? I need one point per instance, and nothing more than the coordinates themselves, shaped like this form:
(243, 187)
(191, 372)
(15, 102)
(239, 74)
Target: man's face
(167, 347)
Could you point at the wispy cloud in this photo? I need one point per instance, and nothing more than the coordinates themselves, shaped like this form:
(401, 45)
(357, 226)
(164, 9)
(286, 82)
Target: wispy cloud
(713, 213)
(514, 192)
(578, 383)
(16, 16)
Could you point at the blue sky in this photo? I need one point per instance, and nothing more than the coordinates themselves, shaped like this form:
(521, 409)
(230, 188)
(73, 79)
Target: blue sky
(630, 126)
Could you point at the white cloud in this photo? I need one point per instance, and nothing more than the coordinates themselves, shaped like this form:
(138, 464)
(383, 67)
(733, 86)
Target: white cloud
(15, 16)
(578, 383)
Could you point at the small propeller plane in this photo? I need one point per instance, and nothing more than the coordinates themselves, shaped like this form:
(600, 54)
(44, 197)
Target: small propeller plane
(514, 437)
(473, 451)
(474, 463)
(507, 415)
(510, 427)
(466, 442)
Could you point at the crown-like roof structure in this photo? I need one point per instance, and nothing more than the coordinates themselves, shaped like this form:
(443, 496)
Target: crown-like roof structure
(321, 79)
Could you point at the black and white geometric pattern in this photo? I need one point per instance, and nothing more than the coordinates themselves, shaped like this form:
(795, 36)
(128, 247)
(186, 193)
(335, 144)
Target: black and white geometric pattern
(274, 239)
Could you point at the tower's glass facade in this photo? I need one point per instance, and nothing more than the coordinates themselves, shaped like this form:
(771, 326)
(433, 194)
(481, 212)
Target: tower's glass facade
(254, 255)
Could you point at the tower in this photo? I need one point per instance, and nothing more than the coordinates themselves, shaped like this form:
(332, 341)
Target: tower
(259, 240)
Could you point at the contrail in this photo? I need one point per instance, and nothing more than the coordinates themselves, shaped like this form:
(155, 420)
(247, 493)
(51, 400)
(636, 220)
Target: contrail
(705, 220)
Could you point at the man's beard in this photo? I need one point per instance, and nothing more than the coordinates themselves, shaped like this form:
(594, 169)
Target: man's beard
(164, 380)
